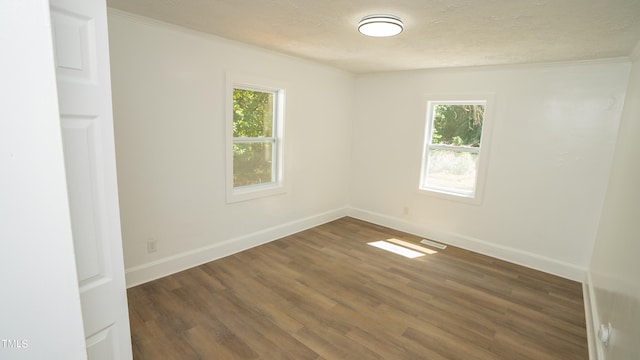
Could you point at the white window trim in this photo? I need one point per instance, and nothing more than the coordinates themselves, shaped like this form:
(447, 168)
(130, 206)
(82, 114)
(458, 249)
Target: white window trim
(484, 149)
(250, 82)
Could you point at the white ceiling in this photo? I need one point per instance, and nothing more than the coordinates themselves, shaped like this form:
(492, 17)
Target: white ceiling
(438, 33)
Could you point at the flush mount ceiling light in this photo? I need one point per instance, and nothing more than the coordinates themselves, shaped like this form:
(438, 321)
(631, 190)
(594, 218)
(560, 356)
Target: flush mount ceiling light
(380, 25)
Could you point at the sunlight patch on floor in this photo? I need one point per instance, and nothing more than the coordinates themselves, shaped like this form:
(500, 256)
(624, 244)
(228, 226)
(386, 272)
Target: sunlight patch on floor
(396, 249)
(413, 246)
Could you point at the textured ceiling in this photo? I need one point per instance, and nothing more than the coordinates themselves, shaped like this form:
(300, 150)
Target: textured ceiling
(438, 33)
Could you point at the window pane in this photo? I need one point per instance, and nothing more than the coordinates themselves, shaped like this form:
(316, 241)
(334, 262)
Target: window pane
(458, 125)
(252, 113)
(455, 170)
(252, 164)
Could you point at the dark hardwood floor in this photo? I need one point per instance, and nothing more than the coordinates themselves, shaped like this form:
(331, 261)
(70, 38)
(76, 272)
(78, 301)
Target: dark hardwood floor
(325, 294)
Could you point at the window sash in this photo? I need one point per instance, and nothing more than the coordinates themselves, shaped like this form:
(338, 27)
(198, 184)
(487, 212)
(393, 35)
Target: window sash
(470, 149)
(273, 140)
(455, 176)
(275, 176)
(275, 115)
(248, 140)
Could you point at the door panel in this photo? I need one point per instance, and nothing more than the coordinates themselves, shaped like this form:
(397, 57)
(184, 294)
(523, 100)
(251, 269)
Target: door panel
(79, 148)
(86, 120)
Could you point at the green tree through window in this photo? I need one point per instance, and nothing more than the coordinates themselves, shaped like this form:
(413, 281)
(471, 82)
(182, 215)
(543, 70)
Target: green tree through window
(253, 137)
(458, 125)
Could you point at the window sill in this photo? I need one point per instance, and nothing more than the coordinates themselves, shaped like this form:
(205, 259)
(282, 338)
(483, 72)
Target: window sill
(442, 194)
(254, 192)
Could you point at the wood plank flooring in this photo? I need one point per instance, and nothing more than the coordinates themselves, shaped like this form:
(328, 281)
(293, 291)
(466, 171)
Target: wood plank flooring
(325, 294)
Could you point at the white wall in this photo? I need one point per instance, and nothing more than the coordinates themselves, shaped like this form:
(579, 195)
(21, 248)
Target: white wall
(554, 129)
(615, 267)
(40, 316)
(168, 96)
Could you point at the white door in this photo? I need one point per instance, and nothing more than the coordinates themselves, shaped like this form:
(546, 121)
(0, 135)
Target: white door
(84, 90)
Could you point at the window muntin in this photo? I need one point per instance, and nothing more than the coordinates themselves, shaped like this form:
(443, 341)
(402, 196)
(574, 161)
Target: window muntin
(255, 128)
(453, 143)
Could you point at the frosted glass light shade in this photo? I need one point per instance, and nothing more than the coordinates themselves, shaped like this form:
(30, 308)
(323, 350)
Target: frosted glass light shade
(380, 25)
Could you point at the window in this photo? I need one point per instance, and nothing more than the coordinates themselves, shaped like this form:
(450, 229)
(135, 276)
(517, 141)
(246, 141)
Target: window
(254, 139)
(455, 133)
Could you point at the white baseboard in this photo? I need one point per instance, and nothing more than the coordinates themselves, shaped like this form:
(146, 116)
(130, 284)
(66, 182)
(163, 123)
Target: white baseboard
(179, 262)
(596, 351)
(530, 260)
(169, 265)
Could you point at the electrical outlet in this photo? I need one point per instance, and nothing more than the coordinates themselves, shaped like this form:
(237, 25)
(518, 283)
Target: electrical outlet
(405, 210)
(151, 246)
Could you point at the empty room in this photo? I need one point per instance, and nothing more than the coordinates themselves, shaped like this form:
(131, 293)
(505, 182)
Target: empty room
(219, 179)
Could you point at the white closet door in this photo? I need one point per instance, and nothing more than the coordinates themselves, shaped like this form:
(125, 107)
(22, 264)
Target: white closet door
(84, 90)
